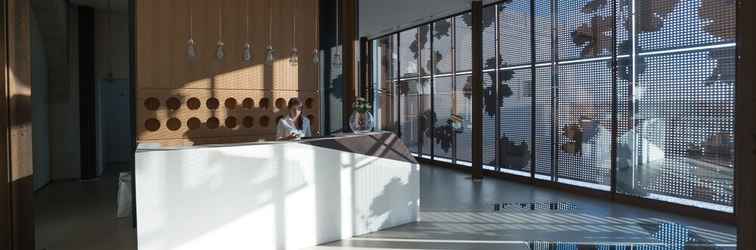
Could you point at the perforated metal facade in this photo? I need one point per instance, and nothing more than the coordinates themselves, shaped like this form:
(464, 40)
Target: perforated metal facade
(563, 79)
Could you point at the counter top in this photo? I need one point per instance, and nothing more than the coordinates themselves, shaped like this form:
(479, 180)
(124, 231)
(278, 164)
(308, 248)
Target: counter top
(383, 144)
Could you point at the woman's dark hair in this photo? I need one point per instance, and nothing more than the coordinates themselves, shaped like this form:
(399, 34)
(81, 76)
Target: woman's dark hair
(295, 103)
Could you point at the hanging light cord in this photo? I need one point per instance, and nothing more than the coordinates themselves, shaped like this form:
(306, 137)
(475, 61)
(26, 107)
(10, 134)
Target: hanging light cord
(246, 20)
(220, 22)
(270, 23)
(294, 26)
(191, 19)
(317, 26)
(112, 38)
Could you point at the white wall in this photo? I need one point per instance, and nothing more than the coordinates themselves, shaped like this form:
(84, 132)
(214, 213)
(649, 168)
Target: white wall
(112, 61)
(111, 44)
(41, 149)
(382, 16)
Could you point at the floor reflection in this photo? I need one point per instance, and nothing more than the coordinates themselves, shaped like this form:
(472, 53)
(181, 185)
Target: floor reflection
(626, 246)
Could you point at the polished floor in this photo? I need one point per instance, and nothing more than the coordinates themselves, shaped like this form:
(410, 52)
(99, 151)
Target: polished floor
(456, 213)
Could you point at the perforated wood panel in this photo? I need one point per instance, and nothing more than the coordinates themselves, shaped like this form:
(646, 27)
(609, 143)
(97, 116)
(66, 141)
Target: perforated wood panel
(204, 99)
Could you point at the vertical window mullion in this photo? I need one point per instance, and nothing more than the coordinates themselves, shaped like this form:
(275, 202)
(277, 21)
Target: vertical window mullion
(614, 98)
(533, 76)
(554, 91)
(397, 87)
(432, 93)
(497, 89)
(454, 82)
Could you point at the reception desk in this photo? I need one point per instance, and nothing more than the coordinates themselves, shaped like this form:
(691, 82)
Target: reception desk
(273, 195)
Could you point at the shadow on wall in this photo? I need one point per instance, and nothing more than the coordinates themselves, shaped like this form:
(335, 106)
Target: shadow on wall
(384, 206)
(223, 99)
(21, 108)
(222, 116)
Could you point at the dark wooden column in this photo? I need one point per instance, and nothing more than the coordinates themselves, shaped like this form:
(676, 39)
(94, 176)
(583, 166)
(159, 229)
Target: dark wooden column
(5, 203)
(17, 163)
(348, 21)
(477, 89)
(365, 69)
(745, 127)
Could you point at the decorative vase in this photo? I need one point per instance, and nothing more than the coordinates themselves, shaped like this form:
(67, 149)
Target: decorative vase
(361, 122)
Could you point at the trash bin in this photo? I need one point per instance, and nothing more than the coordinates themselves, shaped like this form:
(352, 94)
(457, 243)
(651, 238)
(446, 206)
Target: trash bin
(124, 195)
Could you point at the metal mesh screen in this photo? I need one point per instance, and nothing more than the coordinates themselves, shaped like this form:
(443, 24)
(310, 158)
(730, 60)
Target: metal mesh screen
(584, 115)
(675, 83)
(515, 110)
(463, 42)
(543, 28)
(514, 32)
(442, 107)
(462, 99)
(684, 23)
(424, 116)
(679, 145)
(408, 110)
(408, 53)
(685, 129)
(423, 47)
(584, 29)
(442, 46)
(490, 103)
(544, 122)
(489, 38)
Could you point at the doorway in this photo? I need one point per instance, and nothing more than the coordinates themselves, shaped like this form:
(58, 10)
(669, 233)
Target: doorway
(83, 51)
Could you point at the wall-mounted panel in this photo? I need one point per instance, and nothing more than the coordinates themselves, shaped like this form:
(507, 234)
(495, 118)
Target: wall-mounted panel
(238, 100)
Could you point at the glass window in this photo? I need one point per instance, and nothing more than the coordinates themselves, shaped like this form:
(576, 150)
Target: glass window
(385, 60)
(674, 87)
(443, 133)
(463, 42)
(442, 46)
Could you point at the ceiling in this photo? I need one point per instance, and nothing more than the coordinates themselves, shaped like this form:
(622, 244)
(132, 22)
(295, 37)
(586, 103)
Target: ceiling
(116, 5)
(381, 16)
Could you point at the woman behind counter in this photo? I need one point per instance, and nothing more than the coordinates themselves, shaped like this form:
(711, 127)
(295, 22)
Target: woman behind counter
(293, 126)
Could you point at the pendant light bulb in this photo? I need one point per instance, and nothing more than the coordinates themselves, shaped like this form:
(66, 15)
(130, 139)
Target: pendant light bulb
(247, 54)
(315, 56)
(191, 48)
(269, 55)
(219, 53)
(294, 57)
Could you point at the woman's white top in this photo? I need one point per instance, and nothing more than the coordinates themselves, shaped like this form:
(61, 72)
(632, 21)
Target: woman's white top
(286, 127)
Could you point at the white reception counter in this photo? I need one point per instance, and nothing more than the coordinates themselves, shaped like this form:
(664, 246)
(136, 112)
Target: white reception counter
(275, 195)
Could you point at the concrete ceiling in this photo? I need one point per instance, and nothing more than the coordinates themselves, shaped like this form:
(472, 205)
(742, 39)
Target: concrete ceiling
(115, 5)
(381, 16)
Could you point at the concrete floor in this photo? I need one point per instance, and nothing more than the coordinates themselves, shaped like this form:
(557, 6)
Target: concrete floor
(455, 214)
(79, 215)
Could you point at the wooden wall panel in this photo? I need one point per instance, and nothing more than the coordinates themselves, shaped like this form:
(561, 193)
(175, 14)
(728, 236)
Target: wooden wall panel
(164, 72)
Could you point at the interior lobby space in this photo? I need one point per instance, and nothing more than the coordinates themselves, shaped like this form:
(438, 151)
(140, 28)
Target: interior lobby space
(377, 124)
